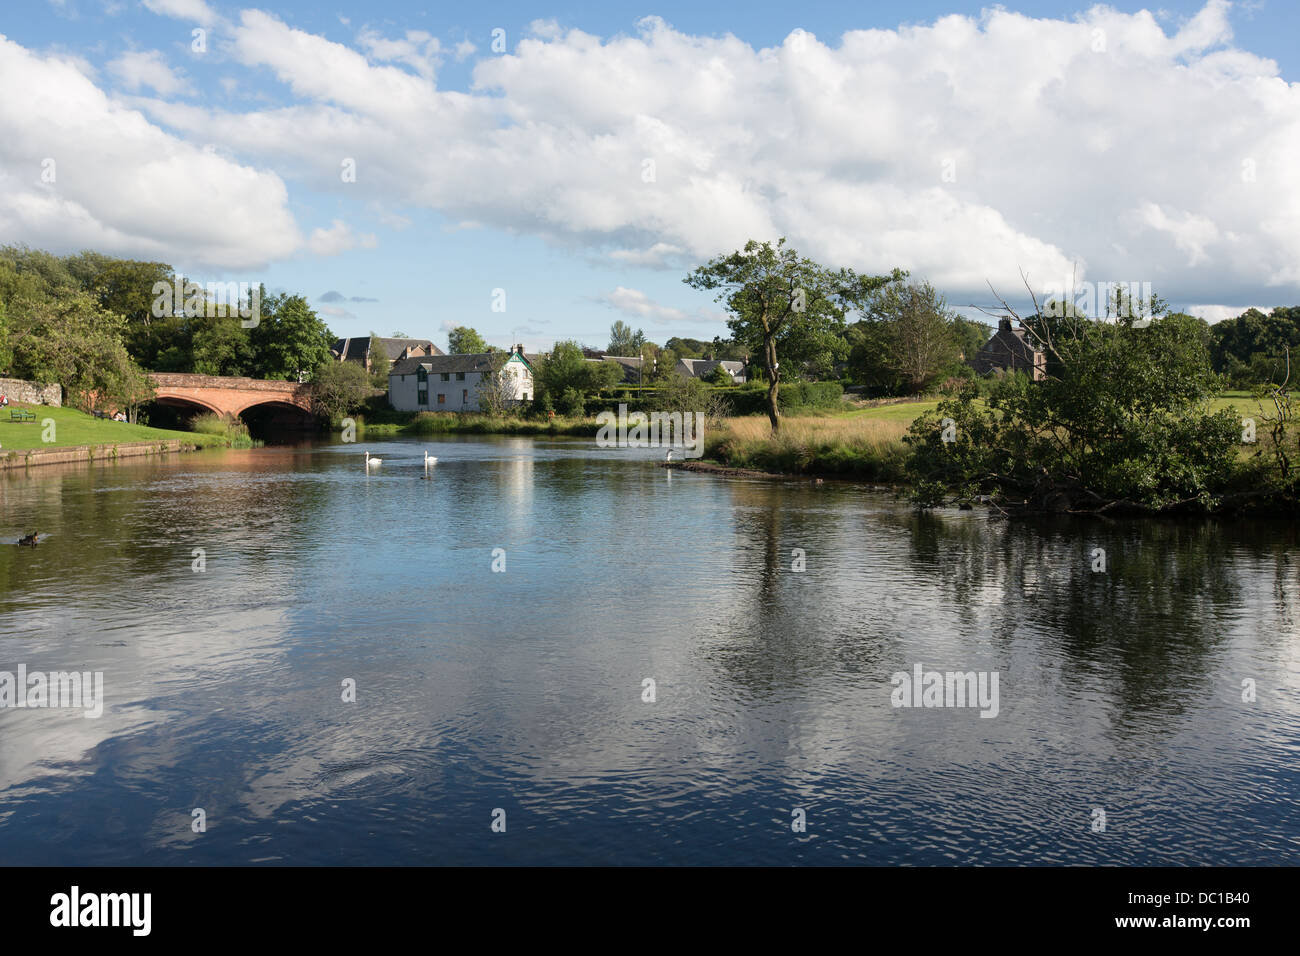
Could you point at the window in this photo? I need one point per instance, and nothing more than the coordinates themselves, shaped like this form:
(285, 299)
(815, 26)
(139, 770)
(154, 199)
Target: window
(464, 396)
(442, 399)
(460, 376)
(422, 396)
(446, 376)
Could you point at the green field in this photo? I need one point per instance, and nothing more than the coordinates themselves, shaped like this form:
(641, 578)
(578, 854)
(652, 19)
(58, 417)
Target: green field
(72, 428)
(908, 412)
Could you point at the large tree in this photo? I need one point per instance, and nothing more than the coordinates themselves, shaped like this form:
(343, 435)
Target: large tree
(289, 340)
(774, 295)
(462, 340)
(623, 341)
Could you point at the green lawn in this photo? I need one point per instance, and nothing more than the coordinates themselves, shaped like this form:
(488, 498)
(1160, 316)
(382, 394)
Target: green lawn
(72, 427)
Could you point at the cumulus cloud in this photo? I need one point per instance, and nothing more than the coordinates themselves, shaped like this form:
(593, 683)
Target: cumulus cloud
(196, 10)
(963, 150)
(137, 69)
(80, 170)
(339, 237)
(638, 305)
(943, 148)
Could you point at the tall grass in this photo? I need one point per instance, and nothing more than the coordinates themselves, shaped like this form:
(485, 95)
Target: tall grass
(232, 430)
(464, 423)
(865, 448)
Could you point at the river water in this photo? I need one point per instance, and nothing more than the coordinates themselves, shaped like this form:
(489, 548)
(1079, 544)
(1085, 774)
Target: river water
(519, 695)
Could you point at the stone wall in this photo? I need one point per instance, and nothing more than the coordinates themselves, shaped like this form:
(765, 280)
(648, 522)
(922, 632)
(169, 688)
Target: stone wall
(29, 393)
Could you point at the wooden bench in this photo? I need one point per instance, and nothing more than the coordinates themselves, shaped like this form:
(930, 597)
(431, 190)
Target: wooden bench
(21, 415)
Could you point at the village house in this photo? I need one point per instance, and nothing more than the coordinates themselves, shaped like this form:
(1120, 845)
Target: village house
(362, 348)
(451, 383)
(703, 368)
(1012, 351)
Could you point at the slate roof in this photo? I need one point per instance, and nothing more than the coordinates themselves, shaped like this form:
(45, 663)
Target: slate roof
(699, 368)
(436, 364)
(1008, 349)
(355, 349)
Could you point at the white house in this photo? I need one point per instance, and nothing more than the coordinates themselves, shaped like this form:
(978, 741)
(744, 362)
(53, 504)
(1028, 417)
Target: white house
(451, 383)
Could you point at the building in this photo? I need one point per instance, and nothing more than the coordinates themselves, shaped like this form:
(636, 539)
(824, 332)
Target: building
(451, 383)
(1011, 350)
(703, 368)
(360, 349)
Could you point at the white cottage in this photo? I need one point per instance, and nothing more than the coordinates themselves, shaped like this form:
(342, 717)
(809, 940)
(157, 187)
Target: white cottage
(451, 383)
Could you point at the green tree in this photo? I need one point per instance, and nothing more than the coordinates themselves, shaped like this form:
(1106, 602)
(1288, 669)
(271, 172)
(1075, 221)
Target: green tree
(338, 389)
(218, 346)
(462, 340)
(379, 361)
(774, 295)
(289, 339)
(623, 341)
(1126, 422)
(565, 373)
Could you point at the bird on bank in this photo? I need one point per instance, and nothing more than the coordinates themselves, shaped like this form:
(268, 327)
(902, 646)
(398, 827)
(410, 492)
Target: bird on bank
(669, 456)
(32, 539)
(373, 461)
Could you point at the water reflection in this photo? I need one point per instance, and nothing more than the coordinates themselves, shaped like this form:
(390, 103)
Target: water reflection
(523, 689)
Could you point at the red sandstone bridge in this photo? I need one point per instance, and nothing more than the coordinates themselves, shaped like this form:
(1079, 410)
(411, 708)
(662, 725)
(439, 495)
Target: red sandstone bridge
(284, 402)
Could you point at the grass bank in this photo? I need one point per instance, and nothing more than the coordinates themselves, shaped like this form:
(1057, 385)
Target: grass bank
(856, 446)
(455, 423)
(73, 428)
(864, 444)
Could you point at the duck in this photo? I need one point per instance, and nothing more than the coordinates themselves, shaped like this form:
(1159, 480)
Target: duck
(373, 461)
(32, 539)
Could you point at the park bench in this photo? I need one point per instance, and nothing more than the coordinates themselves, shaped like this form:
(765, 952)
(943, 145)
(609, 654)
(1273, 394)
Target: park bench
(21, 415)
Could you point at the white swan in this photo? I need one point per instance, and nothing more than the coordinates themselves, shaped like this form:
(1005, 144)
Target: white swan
(373, 461)
(429, 459)
(669, 456)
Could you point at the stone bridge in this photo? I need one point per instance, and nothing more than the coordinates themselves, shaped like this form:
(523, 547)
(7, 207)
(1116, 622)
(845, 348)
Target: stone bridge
(232, 397)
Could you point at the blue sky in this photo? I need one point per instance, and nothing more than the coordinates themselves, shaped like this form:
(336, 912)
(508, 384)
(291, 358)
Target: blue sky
(963, 143)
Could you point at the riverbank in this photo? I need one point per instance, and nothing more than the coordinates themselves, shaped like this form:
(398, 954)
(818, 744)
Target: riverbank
(456, 423)
(61, 435)
(70, 428)
(32, 457)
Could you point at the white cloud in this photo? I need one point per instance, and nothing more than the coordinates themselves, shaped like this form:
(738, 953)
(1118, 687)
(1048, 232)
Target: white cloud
(119, 183)
(638, 305)
(337, 238)
(137, 69)
(196, 10)
(940, 148)
(418, 50)
(1217, 313)
(464, 49)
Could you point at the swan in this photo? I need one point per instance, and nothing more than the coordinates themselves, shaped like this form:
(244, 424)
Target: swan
(429, 460)
(373, 461)
(669, 456)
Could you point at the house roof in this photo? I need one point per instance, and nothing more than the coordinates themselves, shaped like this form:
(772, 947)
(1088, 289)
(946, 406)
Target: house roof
(1008, 348)
(356, 349)
(702, 367)
(461, 362)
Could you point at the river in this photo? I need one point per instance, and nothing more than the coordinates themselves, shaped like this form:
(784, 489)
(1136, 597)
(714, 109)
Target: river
(233, 599)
